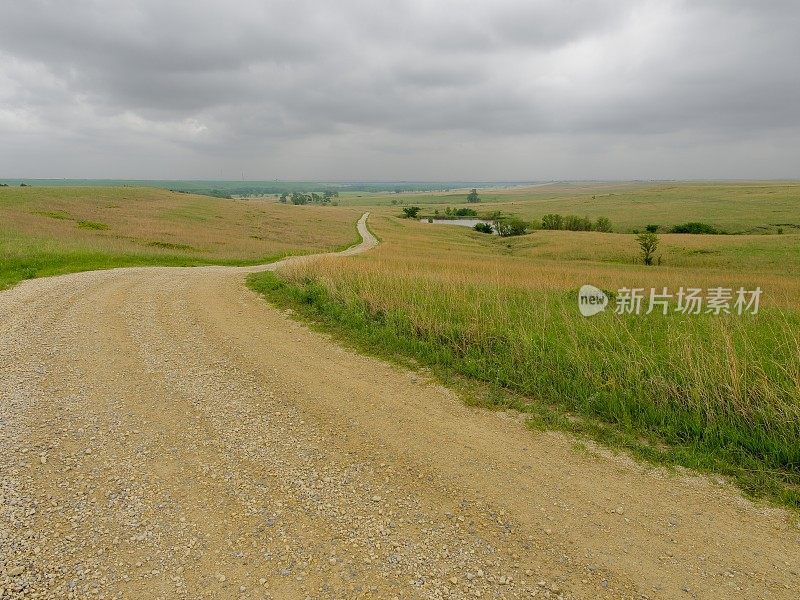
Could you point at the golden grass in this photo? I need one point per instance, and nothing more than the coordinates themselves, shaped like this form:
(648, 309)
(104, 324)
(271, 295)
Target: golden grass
(47, 231)
(736, 207)
(446, 255)
(716, 393)
(159, 221)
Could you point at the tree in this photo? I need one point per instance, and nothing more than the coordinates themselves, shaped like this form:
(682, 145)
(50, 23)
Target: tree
(511, 226)
(284, 197)
(552, 221)
(576, 223)
(299, 198)
(411, 212)
(603, 224)
(695, 227)
(473, 196)
(465, 212)
(648, 242)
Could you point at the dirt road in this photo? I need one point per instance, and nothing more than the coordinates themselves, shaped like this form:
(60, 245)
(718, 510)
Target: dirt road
(165, 433)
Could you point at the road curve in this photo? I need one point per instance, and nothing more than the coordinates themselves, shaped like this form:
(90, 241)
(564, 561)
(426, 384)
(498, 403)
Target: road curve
(166, 433)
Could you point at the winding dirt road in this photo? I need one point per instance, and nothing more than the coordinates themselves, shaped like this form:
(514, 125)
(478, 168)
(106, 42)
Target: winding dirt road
(165, 433)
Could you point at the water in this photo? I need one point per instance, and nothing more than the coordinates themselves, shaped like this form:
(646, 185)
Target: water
(463, 222)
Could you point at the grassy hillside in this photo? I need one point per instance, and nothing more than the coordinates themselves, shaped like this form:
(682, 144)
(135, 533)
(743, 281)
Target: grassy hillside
(46, 231)
(718, 393)
(758, 207)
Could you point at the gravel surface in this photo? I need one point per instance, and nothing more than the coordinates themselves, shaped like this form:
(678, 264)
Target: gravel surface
(165, 433)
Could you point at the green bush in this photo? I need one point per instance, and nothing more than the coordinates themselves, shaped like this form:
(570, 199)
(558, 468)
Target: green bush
(511, 226)
(651, 228)
(695, 227)
(603, 224)
(552, 221)
(483, 228)
(465, 212)
(575, 223)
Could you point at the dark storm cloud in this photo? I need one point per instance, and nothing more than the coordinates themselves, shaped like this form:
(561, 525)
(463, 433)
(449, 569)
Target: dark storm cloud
(325, 89)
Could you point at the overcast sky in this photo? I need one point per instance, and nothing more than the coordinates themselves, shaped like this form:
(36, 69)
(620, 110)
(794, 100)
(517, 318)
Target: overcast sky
(401, 89)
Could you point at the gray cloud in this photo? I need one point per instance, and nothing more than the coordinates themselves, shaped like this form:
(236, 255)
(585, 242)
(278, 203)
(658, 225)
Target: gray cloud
(403, 89)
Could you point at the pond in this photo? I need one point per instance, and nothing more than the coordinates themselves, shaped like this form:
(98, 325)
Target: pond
(463, 222)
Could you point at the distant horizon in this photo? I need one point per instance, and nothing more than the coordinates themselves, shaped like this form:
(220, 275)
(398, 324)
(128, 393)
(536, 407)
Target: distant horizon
(414, 181)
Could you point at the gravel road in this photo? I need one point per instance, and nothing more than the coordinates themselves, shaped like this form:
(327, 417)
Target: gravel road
(166, 433)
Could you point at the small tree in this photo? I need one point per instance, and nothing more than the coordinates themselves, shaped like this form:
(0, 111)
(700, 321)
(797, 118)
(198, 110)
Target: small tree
(552, 221)
(576, 223)
(473, 196)
(603, 224)
(465, 212)
(411, 212)
(648, 242)
(484, 228)
(510, 227)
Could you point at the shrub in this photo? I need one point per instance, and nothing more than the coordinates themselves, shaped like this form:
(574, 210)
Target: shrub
(411, 212)
(695, 227)
(651, 228)
(575, 223)
(299, 198)
(552, 221)
(473, 196)
(648, 242)
(603, 224)
(483, 228)
(465, 212)
(511, 226)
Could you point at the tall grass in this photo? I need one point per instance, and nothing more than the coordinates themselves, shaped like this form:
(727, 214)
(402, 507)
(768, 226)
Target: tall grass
(719, 393)
(47, 231)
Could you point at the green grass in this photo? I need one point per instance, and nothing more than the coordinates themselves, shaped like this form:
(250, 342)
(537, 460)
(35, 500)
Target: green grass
(733, 207)
(49, 231)
(92, 225)
(650, 385)
(53, 214)
(46, 264)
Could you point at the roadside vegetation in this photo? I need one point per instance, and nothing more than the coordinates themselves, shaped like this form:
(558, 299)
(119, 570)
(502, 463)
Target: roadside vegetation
(499, 317)
(49, 231)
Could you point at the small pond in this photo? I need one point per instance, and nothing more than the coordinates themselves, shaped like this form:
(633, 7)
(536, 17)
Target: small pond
(463, 222)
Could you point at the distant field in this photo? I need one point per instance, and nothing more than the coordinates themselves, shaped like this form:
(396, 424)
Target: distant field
(759, 207)
(719, 393)
(46, 231)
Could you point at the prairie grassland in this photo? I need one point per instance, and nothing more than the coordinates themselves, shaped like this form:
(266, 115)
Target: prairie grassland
(718, 393)
(735, 207)
(46, 231)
